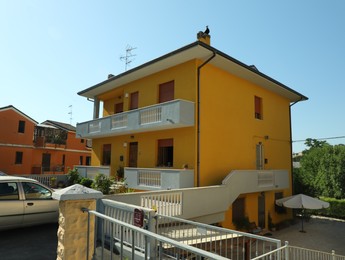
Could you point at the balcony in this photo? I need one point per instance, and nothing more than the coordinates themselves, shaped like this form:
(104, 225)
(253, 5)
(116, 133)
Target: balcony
(168, 115)
(158, 182)
(159, 179)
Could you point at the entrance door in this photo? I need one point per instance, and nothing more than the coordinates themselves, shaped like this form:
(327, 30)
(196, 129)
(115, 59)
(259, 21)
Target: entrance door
(133, 154)
(261, 211)
(45, 162)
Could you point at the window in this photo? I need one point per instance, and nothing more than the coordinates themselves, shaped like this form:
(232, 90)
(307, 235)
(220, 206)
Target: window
(118, 108)
(166, 91)
(165, 152)
(19, 158)
(88, 160)
(279, 209)
(259, 156)
(106, 154)
(63, 159)
(9, 191)
(81, 160)
(258, 107)
(134, 101)
(35, 191)
(82, 140)
(21, 126)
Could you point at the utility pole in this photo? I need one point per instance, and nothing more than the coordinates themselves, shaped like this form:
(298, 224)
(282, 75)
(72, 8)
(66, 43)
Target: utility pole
(127, 58)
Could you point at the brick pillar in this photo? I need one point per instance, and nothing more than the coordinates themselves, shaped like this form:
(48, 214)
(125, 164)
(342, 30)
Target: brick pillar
(72, 232)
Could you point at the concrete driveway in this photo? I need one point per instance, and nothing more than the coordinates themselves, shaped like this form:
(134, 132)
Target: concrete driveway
(39, 243)
(323, 234)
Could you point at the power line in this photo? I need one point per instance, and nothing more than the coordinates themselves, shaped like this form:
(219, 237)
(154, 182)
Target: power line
(320, 139)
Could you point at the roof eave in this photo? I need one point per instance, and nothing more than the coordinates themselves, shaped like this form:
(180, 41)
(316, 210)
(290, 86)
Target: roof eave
(196, 50)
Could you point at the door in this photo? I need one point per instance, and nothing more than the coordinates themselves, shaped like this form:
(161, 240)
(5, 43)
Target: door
(133, 154)
(106, 155)
(11, 207)
(45, 162)
(39, 207)
(261, 211)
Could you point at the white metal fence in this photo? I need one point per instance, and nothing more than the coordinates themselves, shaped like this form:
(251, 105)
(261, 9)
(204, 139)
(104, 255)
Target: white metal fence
(136, 232)
(124, 238)
(225, 242)
(46, 179)
(288, 252)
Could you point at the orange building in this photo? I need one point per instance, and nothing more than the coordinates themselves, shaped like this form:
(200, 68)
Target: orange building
(27, 147)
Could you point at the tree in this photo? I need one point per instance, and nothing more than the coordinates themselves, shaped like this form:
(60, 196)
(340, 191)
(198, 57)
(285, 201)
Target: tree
(314, 143)
(322, 171)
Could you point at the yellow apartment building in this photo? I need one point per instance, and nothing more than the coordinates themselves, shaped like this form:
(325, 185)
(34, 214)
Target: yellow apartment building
(191, 118)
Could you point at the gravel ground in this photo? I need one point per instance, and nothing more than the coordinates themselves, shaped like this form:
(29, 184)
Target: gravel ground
(323, 234)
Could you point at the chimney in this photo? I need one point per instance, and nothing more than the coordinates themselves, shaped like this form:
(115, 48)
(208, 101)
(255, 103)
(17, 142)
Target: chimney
(110, 76)
(204, 37)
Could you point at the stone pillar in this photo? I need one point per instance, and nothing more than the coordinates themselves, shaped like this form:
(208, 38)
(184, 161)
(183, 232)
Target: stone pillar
(73, 223)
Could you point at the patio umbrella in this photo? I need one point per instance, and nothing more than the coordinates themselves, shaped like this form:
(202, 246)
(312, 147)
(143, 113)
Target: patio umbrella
(301, 201)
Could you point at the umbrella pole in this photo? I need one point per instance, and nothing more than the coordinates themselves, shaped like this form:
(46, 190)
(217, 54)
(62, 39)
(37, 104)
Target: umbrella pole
(302, 221)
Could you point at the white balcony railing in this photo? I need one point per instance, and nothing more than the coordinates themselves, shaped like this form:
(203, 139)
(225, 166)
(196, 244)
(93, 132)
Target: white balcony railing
(158, 179)
(173, 114)
(184, 204)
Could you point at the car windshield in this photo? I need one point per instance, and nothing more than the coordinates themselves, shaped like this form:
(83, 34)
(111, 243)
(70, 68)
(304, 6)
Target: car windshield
(36, 191)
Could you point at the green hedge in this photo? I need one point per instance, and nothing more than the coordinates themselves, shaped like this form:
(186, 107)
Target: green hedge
(336, 209)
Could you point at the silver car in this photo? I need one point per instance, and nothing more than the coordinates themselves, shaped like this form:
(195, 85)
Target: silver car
(25, 202)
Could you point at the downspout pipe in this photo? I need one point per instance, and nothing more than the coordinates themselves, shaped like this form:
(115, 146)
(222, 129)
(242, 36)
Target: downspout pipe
(292, 179)
(198, 119)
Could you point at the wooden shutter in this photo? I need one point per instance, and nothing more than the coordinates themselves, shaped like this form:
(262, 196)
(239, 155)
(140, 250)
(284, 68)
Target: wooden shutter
(166, 91)
(134, 102)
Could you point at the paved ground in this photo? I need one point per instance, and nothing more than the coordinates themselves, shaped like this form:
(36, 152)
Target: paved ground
(36, 243)
(323, 234)
(40, 242)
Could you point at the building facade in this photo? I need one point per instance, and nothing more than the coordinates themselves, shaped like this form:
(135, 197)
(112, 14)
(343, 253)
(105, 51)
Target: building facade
(190, 118)
(27, 147)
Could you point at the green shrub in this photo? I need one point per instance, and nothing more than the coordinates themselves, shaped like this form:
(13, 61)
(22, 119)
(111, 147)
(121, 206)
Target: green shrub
(73, 177)
(87, 182)
(102, 183)
(336, 208)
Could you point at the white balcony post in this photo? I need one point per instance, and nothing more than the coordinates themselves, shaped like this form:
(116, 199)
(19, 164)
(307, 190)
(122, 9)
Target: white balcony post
(286, 250)
(96, 108)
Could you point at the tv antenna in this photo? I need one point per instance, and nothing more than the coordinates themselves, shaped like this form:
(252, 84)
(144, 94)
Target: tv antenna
(70, 114)
(127, 58)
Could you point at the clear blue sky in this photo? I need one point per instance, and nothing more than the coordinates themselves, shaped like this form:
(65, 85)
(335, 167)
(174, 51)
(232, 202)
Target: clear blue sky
(50, 50)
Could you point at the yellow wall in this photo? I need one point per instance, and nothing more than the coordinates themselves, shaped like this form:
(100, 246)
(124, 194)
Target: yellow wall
(184, 76)
(147, 148)
(229, 132)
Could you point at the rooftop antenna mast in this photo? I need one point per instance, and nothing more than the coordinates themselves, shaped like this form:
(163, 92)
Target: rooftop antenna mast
(128, 56)
(70, 113)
